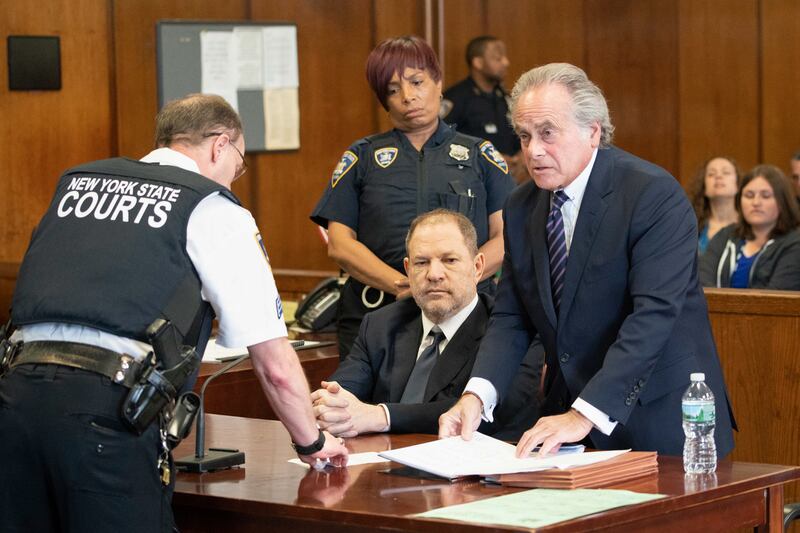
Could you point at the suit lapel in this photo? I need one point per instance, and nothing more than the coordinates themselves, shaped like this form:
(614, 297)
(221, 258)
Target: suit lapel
(541, 259)
(405, 355)
(458, 352)
(593, 208)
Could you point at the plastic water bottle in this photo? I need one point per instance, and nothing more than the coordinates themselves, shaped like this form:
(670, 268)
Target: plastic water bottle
(699, 449)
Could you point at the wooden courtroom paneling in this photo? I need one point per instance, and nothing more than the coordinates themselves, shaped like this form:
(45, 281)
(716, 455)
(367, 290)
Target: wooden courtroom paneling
(632, 56)
(463, 21)
(44, 132)
(538, 32)
(719, 84)
(135, 45)
(136, 84)
(334, 39)
(757, 336)
(780, 80)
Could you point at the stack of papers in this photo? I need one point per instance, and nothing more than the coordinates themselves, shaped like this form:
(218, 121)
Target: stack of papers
(484, 456)
(623, 468)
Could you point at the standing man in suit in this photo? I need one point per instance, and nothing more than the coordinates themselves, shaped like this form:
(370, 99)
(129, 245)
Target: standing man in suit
(411, 359)
(601, 263)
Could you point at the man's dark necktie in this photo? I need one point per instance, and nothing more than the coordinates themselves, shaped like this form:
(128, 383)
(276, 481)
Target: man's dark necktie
(557, 247)
(418, 380)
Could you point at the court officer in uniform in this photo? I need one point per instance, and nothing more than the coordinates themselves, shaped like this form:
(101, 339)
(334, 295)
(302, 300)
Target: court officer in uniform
(478, 104)
(125, 242)
(383, 181)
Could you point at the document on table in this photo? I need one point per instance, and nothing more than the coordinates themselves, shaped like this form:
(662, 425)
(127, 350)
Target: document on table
(482, 456)
(219, 354)
(353, 459)
(539, 507)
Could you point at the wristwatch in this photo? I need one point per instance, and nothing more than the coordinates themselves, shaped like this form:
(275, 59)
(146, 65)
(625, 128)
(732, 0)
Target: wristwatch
(312, 448)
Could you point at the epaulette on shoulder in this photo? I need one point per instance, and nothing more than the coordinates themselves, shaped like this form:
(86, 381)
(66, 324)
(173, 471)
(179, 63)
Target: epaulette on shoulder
(371, 139)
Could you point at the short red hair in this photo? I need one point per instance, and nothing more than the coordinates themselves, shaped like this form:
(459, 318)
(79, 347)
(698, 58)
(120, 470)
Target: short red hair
(395, 55)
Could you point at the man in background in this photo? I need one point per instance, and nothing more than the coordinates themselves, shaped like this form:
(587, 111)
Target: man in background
(478, 105)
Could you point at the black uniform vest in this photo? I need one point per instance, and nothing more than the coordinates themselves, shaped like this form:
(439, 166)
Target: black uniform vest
(110, 252)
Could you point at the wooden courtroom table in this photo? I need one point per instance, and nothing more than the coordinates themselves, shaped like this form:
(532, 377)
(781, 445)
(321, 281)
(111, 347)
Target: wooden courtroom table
(269, 493)
(238, 392)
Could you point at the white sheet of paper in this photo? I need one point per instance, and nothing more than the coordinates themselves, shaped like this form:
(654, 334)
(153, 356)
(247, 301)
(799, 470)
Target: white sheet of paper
(214, 352)
(353, 459)
(280, 57)
(218, 65)
(483, 455)
(282, 119)
(249, 51)
(219, 354)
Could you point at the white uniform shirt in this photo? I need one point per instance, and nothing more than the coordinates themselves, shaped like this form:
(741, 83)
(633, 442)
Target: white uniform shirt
(225, 247)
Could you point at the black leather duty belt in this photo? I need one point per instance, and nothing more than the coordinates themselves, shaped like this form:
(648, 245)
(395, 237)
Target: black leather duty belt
(119, 368)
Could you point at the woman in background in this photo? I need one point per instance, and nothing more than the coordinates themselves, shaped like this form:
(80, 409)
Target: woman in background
(762, 250)
(714, 190)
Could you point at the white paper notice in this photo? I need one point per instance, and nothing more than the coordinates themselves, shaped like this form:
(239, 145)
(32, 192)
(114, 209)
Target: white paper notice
(354, 459)
(282, 118)
(218, 60)
(247, 44)
(280, 57)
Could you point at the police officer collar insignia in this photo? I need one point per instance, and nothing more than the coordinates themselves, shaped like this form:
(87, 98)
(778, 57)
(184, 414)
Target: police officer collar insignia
(493, 156)
(347, 162)
(385, 156)
(459, 152)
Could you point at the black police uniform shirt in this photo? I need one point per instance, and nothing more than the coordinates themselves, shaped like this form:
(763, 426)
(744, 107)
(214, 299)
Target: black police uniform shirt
(480, 114)
(375, 188)
(219, 236)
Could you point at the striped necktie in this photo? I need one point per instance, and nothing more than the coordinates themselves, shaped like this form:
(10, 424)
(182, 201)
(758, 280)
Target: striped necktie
(418, 380)
(557, 247)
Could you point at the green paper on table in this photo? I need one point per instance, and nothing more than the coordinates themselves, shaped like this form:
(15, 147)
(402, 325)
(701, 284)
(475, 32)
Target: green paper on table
(539, 507)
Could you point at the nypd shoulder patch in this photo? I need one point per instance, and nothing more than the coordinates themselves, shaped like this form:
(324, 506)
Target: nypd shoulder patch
(385, 156)
(493, 156)
(347, 162)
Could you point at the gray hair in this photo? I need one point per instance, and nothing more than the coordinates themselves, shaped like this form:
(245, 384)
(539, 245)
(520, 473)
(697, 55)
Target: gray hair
(589, 105)
(192, 118)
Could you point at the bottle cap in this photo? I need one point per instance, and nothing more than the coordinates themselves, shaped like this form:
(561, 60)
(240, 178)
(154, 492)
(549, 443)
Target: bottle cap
(697, 376)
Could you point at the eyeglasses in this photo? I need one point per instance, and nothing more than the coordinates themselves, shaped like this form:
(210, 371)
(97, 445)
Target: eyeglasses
(239, 170)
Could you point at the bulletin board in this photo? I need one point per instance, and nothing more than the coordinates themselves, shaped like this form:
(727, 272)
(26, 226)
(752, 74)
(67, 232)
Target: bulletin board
(253, 65)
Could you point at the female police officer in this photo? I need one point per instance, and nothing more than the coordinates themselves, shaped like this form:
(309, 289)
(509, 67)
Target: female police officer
(383, 181)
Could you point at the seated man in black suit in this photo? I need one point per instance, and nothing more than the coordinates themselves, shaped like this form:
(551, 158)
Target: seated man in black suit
(412, 358)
